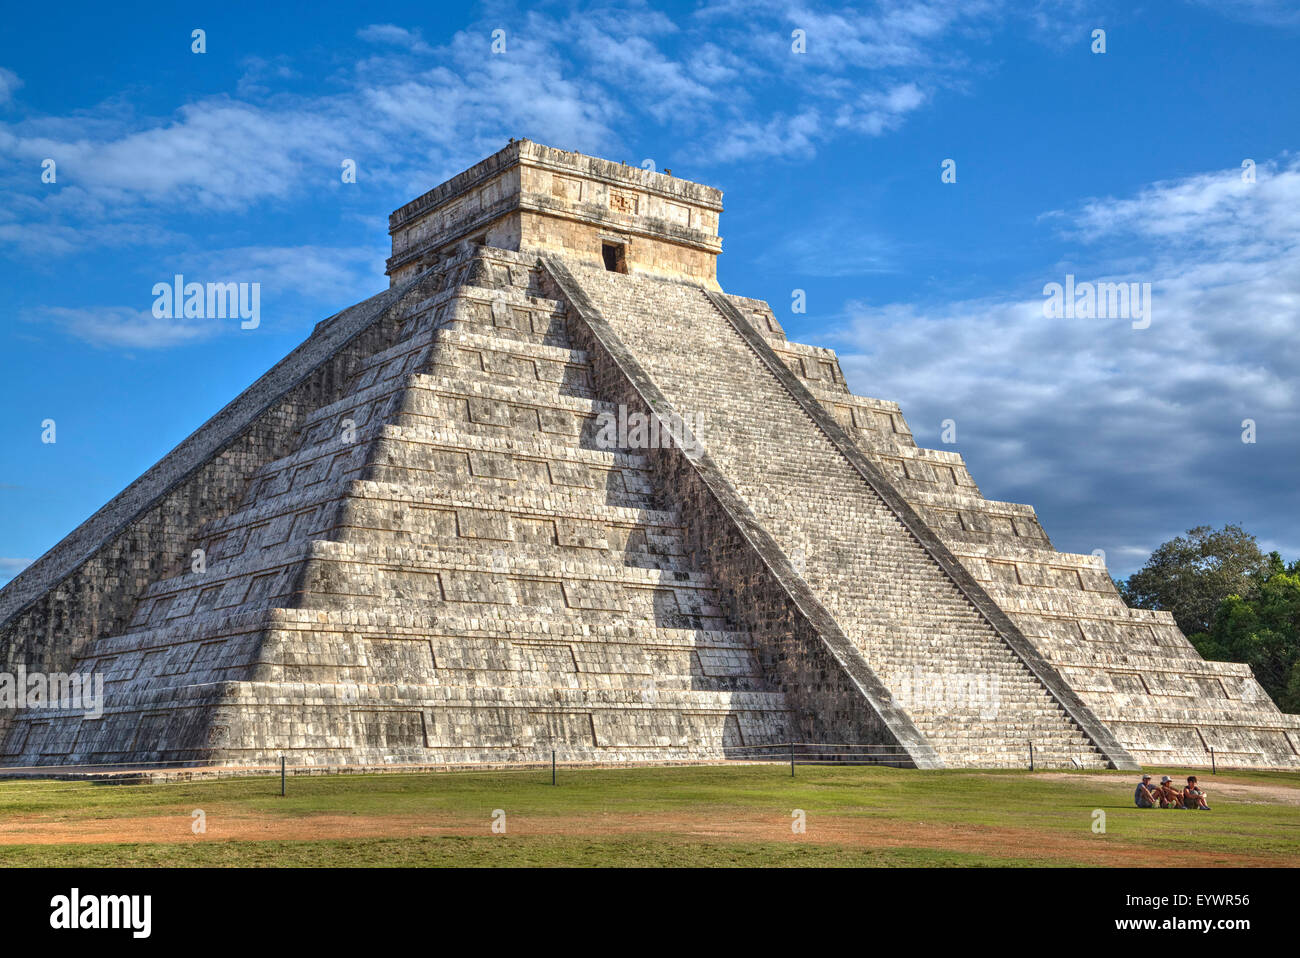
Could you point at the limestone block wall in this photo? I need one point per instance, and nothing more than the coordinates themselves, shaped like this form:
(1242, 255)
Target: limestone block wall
(445, 567)
(87, 585)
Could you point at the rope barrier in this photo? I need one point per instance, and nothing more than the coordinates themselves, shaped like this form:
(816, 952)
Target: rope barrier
(123, 772)
(192, 771)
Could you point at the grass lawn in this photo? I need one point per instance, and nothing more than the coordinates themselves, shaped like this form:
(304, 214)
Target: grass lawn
(704, 815)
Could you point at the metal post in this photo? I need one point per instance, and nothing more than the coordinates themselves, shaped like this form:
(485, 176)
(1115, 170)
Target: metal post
(1031, 756)
(552, 766)
(282, 776)
(1213, 769)
(792, 759)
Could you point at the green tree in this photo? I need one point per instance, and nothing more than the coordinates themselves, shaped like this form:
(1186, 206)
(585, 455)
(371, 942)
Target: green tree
(1191, 575)
(1262, 629)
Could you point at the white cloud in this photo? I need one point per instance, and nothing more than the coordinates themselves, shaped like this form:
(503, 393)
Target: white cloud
(259, 73)
(122, 327)
(315, 273)
(878, 112)
(392, 35)
(1105, 425)
(1217, 209)
(288, 277)
(413, 111)
(780, 136)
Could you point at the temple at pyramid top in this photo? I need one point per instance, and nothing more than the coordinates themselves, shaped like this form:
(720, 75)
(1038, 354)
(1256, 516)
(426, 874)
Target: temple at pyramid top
(533, 198)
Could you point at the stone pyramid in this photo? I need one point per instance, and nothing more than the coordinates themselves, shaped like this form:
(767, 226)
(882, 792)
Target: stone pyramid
(422, 547)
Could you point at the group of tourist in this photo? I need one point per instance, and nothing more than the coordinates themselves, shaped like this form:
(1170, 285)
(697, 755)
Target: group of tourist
(1167, 795)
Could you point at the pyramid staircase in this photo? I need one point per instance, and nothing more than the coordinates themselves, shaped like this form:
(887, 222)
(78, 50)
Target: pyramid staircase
(971, 696)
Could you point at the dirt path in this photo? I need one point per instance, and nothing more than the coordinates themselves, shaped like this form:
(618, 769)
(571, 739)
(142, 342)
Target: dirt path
(999, 842)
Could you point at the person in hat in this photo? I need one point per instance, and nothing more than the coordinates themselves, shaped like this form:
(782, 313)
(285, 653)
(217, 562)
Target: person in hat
(1144, 795)
(1170, 797)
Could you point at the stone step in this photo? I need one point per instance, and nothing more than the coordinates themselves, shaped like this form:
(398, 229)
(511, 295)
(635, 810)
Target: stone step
(478, 338)
(297, 626)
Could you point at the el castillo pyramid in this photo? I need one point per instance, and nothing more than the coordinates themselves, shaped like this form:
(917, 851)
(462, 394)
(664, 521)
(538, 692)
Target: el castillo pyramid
(422, 545)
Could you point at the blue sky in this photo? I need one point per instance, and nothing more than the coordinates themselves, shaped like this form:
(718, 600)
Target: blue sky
(1124, 165)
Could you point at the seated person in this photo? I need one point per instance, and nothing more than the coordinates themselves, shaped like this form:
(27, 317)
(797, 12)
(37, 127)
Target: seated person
(1170, 797)
(1194, 796)
(1144, 795)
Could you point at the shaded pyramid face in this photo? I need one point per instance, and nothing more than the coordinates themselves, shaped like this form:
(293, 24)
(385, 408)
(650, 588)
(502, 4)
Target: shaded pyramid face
(446, 568)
